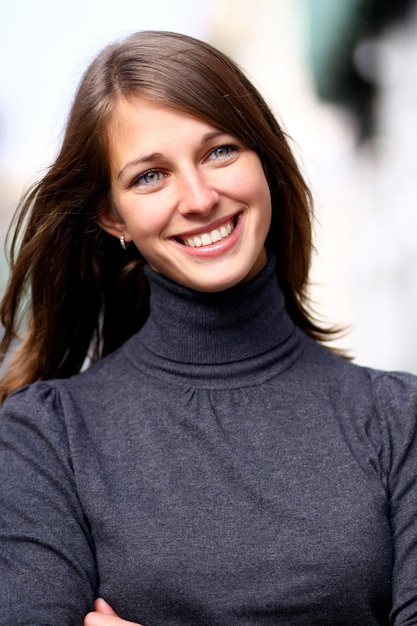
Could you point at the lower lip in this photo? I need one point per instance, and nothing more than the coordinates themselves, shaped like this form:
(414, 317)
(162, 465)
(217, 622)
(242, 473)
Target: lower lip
(215, 249)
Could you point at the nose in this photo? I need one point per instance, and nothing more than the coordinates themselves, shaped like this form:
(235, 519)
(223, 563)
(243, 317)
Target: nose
(196, 194)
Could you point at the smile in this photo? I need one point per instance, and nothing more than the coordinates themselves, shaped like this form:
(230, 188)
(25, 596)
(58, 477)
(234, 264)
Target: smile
(208, 238)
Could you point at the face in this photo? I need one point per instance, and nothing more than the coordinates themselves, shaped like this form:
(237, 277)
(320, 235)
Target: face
(192, 198)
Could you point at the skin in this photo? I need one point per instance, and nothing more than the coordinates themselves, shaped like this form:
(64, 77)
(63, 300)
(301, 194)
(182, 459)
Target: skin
(175, 177)
(103, 615)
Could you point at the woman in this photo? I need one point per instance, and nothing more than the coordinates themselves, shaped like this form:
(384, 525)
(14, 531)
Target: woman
(219, 465)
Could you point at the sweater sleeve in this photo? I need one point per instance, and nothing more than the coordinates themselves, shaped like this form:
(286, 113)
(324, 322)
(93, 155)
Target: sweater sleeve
(396, 401)
(47, 565)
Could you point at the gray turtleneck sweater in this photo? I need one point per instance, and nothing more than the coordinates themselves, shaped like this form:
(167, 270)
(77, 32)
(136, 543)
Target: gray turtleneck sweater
(220, 469)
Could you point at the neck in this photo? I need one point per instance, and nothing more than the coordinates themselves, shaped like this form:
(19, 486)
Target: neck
(198, 328)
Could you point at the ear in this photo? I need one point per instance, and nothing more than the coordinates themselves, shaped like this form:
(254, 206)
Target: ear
(114, 226)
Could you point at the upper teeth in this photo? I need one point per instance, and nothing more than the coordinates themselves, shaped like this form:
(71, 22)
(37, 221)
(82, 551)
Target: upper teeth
(205, 239)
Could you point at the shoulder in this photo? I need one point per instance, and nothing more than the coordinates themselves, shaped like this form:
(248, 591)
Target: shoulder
(383, 405)
(393, 395)
(393, 389)
(32, 430)
(378, 402)
(54, 404)
(395, 400)
(358, 381)
(377, 414)
(34, 401)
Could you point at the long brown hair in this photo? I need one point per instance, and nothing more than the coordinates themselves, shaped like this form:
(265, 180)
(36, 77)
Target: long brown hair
(75, 293)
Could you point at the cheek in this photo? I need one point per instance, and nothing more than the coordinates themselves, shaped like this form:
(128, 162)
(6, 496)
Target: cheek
(252, 187)
(264, 210)
(260, 197)
(264, 191)
(143, 222)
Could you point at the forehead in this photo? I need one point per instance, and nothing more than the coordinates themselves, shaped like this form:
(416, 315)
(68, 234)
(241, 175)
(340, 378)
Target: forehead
(139, 121)
(141, 112)
(140, 127)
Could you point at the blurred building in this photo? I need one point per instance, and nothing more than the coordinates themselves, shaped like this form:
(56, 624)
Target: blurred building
(364, 59)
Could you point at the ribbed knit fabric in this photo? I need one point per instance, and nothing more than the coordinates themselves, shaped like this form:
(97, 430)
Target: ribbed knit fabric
(216, 328)
(220, 469)
(239, 336)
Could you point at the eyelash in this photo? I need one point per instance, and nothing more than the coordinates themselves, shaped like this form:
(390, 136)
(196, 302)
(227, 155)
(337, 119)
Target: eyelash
(231, 149)
(136, 181)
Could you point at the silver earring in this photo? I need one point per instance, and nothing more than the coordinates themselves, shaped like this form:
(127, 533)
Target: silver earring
(123, 241)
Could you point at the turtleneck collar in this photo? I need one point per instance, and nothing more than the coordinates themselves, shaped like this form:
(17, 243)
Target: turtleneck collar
(196, 328)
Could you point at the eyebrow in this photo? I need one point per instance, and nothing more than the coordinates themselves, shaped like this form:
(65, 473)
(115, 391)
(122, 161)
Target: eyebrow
(156, 156)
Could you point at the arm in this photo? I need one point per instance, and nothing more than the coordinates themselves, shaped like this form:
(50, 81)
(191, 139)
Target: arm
(47, 564)
(397, 406)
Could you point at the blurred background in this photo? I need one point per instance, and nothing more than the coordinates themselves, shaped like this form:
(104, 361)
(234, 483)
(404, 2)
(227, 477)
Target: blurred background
(341, 77)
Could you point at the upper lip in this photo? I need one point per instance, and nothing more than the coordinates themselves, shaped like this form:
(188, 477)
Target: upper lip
(207, 228)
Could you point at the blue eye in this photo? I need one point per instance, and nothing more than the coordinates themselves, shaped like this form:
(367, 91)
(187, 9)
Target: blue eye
(222, 152)
(149, 178)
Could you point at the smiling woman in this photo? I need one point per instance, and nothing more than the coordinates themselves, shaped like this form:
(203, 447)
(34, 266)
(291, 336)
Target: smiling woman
(64, 210)
(201, 215)
(217, 465)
